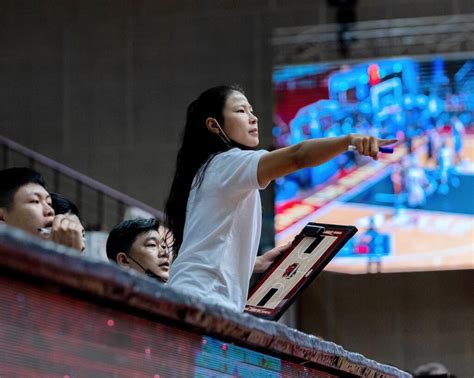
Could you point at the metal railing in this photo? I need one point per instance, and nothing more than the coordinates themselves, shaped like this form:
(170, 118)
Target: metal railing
(369, 39)
(100, 206)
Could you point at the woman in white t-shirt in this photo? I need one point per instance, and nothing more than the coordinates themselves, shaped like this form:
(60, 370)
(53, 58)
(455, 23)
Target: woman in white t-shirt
(214, 209)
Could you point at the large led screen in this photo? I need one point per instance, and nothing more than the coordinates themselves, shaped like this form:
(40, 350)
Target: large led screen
(414, 208)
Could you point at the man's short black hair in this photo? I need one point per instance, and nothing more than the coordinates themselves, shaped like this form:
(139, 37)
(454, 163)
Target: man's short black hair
(12, 179)
(62, 205)
(125, 233)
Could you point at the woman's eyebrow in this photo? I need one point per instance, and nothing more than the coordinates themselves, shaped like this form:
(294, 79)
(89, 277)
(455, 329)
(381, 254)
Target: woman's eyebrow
(244, 104)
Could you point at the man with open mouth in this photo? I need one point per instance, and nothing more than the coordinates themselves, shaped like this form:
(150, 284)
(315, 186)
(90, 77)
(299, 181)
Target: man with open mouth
(26, 204)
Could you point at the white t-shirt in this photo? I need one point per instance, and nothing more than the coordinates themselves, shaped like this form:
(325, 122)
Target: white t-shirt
(221, 232)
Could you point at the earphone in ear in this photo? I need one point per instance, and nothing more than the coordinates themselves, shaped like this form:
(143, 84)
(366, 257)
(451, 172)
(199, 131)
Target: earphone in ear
(222, 134)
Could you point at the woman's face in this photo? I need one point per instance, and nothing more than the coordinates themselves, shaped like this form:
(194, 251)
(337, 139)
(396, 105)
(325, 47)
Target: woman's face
(240, 124)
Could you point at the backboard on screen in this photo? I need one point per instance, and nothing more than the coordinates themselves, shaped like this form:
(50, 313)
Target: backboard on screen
(284, 280)
(414, 208)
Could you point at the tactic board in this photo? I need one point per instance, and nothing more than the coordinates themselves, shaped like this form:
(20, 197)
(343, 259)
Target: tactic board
(309, 253)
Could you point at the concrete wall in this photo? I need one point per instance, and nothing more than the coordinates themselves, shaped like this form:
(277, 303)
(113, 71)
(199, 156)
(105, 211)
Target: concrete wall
(102, 86)
(404, 319)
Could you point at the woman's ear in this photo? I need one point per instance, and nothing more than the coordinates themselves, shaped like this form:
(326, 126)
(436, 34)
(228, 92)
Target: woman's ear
(213, 126)
(122, 259)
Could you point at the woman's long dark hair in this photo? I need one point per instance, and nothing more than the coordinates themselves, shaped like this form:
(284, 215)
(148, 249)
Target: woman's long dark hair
(198, 147)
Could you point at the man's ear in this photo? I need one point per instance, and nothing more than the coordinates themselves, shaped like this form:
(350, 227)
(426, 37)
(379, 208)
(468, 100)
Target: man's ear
(122, 259)
(213, 126)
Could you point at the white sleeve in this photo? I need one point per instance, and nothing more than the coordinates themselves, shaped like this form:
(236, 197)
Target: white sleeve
(237, 170)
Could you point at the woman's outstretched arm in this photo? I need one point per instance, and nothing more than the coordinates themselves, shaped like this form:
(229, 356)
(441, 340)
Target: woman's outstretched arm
(314, 152)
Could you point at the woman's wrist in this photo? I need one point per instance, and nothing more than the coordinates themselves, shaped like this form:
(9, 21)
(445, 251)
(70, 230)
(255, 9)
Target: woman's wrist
(348, 140)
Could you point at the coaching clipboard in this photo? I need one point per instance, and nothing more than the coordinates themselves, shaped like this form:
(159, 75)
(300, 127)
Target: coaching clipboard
(310, 251)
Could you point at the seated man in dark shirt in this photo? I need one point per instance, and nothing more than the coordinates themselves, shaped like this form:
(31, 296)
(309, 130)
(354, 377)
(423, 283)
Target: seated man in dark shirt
(26, 204)
(142, 245)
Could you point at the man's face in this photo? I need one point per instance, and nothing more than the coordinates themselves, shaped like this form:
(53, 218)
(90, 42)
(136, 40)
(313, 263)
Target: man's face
(151, 251)
(31, 210)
